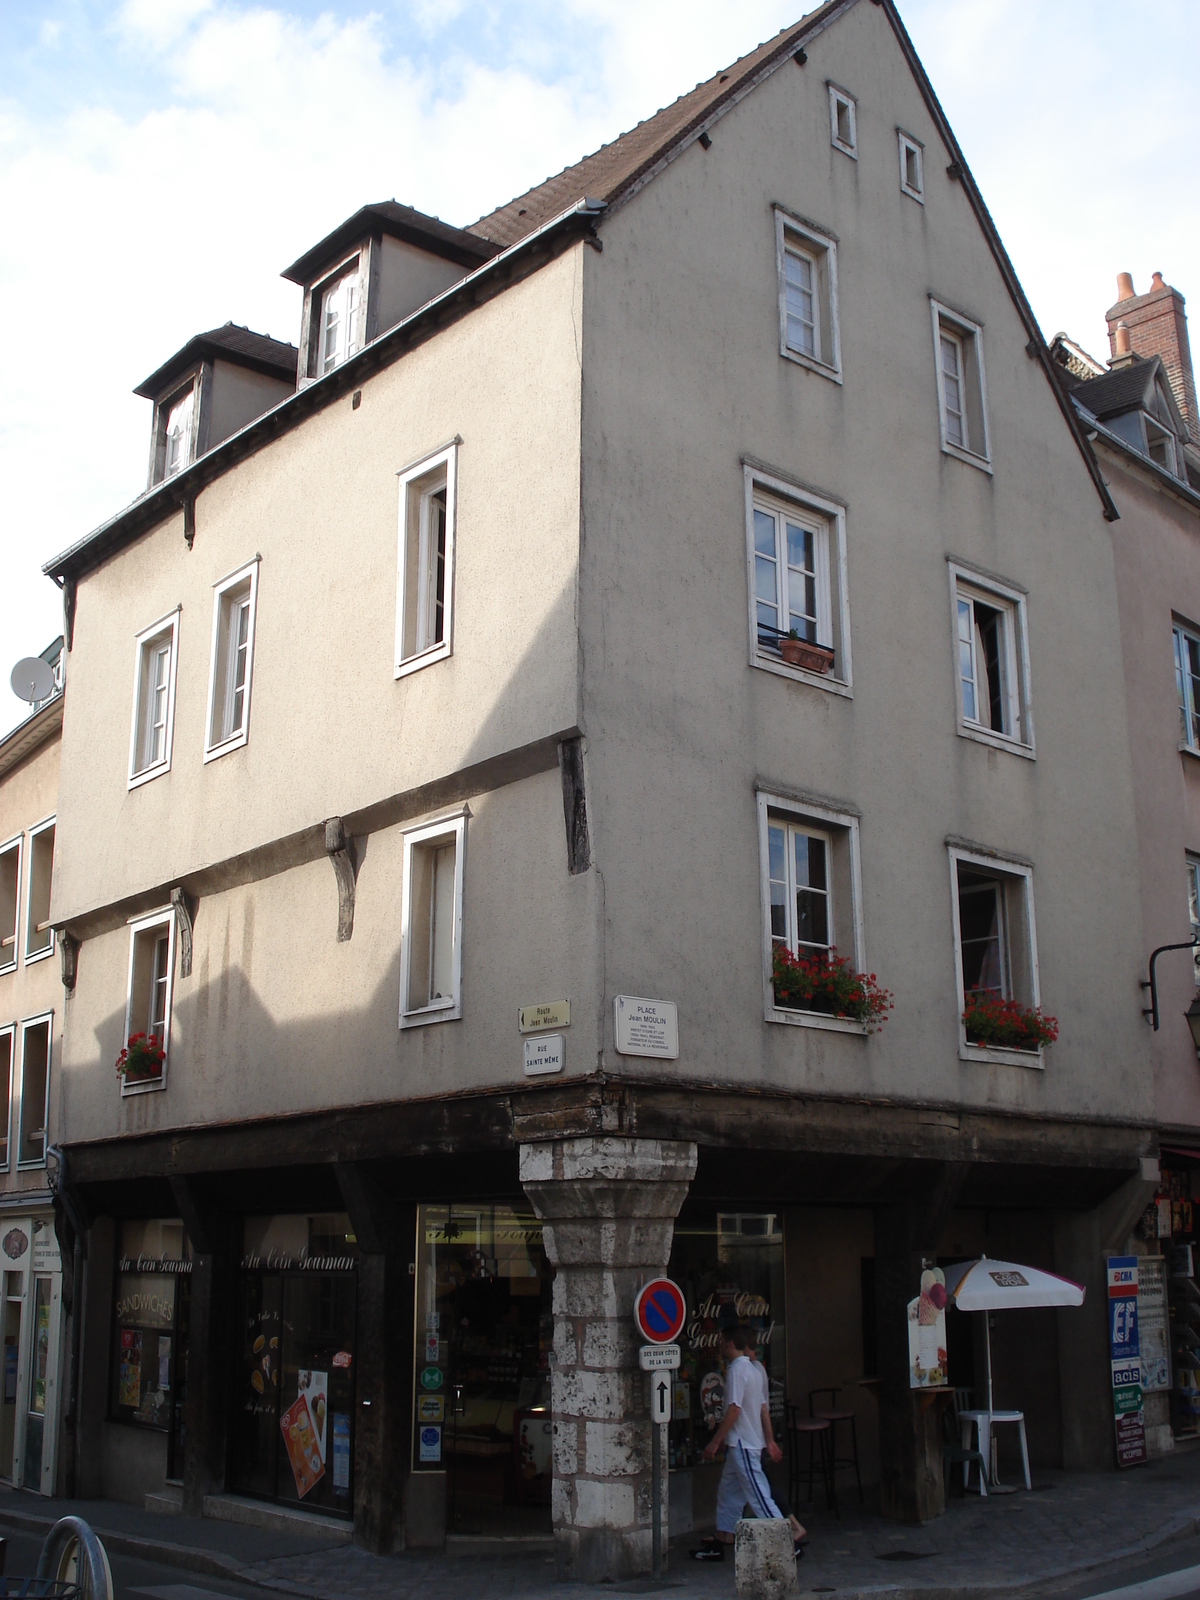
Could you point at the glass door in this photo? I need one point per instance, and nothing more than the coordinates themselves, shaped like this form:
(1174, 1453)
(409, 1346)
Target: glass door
(13, 1302)
(35, 1421)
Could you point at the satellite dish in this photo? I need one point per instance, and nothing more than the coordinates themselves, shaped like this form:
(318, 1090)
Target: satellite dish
(32, 680)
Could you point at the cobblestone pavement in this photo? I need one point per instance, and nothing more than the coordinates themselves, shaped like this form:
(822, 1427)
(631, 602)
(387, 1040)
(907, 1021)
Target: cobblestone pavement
(1070, 1524)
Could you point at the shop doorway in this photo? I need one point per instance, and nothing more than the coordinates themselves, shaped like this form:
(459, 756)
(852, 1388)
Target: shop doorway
(293, 1428)
(485, 1329)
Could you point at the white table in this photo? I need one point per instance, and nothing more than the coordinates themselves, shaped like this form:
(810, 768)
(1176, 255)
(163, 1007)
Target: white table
(984, 1422)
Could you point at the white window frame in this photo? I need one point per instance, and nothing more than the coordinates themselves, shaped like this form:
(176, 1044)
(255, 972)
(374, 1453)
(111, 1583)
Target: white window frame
(812, 243)
(842, 97)
(167, 624)
(961, 328)
(1193, 882)
(761, 484)
(1011, 600)
(26, 1023)
(1155, 432)
(17, 843)
(822, 819)
(38, 955)
(1001, 867)
(908, 145)
(10, 1031)
(162, 918)
(235, 741)
(444, 456)
(1182, 634)
(346, 277)
(453, 826)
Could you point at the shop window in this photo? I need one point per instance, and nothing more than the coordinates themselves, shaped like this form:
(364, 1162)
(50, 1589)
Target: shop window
(425, 561)
(148, 996)
(8, 1042)
(293, 1430)
(155, 661)
(730, 1268)
(228, 717)
(39, 935)
(149, 1356)
(34, 1093)
(431, 923)
(994, 940)
(10, 900)
(796, 560)
(485, 1332)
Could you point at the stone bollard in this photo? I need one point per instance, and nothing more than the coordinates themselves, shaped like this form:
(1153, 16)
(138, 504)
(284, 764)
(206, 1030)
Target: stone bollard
(764, 1561)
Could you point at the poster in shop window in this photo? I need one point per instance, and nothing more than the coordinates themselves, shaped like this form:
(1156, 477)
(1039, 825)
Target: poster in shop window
(1154, 1339)
(315, 1387)
(129, 1382)
(927, 1360)
(296, 1426)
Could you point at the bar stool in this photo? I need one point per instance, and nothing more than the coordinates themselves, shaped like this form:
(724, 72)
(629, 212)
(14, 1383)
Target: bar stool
(818, 1432)
(834, 1416)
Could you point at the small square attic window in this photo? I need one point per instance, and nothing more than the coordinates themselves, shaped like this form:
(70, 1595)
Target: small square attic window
(911, 176)
(843, 132)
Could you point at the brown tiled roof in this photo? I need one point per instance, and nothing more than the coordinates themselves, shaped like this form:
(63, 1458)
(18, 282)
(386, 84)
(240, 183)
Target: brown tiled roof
(616, 167)
(401, 222)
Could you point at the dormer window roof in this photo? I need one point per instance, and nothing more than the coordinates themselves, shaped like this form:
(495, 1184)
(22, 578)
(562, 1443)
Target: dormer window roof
(1134, 402)
(217, 383)
(388, 217)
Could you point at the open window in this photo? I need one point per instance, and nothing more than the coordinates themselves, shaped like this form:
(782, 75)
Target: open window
(795, 552)
(843, 117)
(34, 1092)
(991, 661)
(39, 935)
(8, 1045)
(994, 941)
(425, 561)
(912, 177)
(10, 901)
(228, 715)
(431, 923)
(811, 892)
(337, 332)
(1193, 889)
(148, 995)
(1187, 684)
(961, 386)
(806, 262)
(153, 700)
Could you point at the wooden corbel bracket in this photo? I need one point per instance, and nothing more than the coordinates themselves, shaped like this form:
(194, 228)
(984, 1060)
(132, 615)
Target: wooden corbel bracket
(339, 846)
(185, 915)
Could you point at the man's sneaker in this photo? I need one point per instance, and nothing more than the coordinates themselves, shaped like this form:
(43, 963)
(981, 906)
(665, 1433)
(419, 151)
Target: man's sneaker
(710, 1552)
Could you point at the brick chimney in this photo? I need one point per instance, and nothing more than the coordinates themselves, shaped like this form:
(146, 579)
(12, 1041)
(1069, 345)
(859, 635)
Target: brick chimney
(1157, 326)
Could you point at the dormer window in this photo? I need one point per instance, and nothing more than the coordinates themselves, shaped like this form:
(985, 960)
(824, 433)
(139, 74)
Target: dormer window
(1160, 446)
(178, 432)
(339, 321)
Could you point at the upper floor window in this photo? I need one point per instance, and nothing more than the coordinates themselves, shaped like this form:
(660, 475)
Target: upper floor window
(178, 432)
(799, 622)
(843, 131)
(153, 700)
(338, 336)
(148, 992)
(425, 560)
(1161, 446)
(806, 262)
(991, 661)
(232, 660)
(961, 387)
(10, 901)
(994, 941)
(34, 1091)
(1187, 685)
(1193, 888)
(431, 923)
(39, 935)
(912, 181)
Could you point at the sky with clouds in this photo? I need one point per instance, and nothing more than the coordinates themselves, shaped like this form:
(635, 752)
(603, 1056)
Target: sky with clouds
(162, 160)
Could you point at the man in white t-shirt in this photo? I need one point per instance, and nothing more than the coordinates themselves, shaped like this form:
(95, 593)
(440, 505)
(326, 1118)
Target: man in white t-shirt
(743, 1482)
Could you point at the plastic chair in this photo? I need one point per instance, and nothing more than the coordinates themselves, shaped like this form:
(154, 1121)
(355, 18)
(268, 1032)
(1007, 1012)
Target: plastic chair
(818, 1432)
(954, 1451)
(835, 1416)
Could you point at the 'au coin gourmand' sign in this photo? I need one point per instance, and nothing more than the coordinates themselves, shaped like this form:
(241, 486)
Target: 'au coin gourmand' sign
(646, 1027)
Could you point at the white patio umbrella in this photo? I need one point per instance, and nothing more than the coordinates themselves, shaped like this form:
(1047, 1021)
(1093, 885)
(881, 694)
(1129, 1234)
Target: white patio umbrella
(986, 1285)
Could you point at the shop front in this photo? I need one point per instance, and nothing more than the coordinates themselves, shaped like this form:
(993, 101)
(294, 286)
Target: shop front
(292, 1434)
(149, 1360)
(32, 1268)
(481, 1381)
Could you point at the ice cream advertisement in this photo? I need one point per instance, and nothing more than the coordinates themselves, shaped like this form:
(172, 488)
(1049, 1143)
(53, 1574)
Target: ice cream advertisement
(315, 1388)
(927, 1363)
(299, 1440)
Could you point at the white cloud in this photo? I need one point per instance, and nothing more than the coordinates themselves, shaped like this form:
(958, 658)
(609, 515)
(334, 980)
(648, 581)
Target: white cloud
(215, 144)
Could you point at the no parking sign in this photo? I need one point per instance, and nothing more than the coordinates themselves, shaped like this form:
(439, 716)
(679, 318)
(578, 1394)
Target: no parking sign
(659, 1310)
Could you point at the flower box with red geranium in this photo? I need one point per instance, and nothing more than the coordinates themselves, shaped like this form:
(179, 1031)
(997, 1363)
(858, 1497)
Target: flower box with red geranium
(829, 986)
(142, 1059)
(1005, 1025)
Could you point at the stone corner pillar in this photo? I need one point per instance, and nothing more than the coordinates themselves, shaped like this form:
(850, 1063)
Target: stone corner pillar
(607, 1206)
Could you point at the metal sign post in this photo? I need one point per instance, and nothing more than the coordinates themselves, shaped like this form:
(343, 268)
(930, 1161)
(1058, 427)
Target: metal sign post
(660, 1413)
